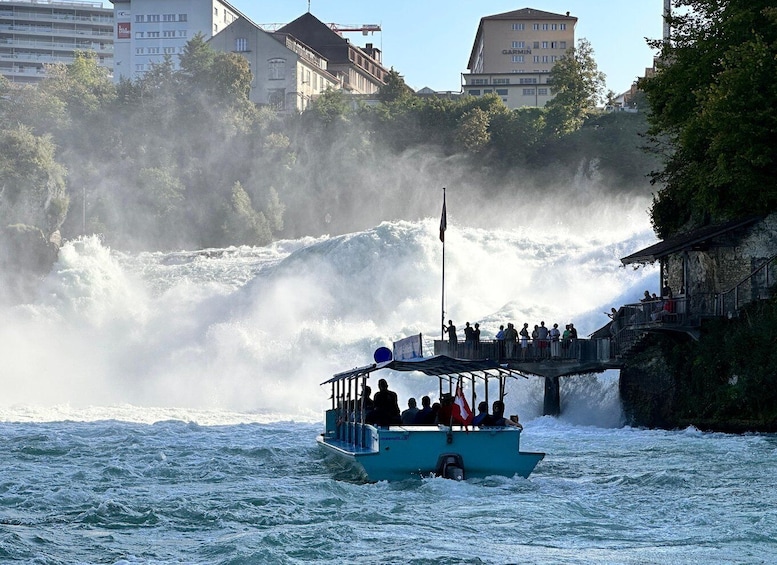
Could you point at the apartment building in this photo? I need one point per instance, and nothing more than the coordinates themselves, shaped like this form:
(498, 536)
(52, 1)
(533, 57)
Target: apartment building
(147, 30)
(359, 69)
(287, 74)
(34, 33)
(513, 54)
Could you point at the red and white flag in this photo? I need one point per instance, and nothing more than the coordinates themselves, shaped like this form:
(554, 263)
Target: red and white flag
(461, 412)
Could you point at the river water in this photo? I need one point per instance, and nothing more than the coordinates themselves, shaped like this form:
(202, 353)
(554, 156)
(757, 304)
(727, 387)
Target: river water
(162, 408)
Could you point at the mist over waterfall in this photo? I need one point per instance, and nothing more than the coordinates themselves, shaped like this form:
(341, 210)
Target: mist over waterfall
(255, 330)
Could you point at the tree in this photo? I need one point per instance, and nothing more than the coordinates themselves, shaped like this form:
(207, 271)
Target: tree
(32, 182)
(395, 88)
(577, 85)
(712, 103)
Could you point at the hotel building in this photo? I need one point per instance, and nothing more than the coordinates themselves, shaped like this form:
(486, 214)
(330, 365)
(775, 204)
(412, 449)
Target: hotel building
(513, 54)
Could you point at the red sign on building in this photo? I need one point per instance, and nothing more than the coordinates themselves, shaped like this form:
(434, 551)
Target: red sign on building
(124, 30)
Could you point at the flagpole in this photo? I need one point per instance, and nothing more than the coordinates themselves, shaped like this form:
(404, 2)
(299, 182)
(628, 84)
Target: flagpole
(443, 227)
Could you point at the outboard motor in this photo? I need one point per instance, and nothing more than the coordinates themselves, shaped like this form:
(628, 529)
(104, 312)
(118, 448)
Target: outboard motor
(450, 466)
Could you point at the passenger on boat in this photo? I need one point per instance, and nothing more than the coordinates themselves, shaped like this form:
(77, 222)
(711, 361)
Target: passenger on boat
(424, 416)
(408, 416)
(445, 414)
(366, 400)
(482, 415)
(497, 418)
(386, 405)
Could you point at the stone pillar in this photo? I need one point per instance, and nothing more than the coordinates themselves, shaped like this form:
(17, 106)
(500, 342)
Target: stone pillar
(552, 403)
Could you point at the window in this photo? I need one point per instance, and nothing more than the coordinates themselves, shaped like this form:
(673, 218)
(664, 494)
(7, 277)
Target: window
(168, 18)
(182, 33)
(140, 67)
(519, 44)
(544, 27)
(517, 58)
(542, 91)
(536, 27)
(139, 51)
(536, 44)
(545, 59)
(562, 27)
(536, 58)
(182, 17)
(277, 69)
(487, 91)
(241, 44)
(473, 92)
(518, 27)
(528, 92)
(479, 81)
(215, 11)
(554, 27)
(153, 18)
(138, 35)
(545, 44)
(153, 50)
(501, 91)
(562, 44)
(169, 50)
(527, 81)
(215, 29)
(139, 19)
(501, 81)
(276, 98)
(168, 34)
(152, 34)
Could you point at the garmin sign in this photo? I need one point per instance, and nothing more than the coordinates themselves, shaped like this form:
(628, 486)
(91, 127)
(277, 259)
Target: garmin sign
(516, 52)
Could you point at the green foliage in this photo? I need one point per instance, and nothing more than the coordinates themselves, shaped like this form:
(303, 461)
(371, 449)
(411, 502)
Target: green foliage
(181, 158)
(32, 183)
(394, 89)
(577, 85)
(713, 100)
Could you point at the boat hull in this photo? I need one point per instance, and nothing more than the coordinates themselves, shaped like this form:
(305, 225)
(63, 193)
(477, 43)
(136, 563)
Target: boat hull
(399, 452)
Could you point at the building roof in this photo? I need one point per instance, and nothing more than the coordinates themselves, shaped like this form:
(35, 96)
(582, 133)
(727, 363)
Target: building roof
(529, 14)
(693, 240)
(523, 14)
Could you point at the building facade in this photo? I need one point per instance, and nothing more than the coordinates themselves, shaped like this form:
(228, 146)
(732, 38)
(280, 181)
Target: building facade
(287, 74)
(513, 54)
(359, 69)
(148, 30)
(34, 33)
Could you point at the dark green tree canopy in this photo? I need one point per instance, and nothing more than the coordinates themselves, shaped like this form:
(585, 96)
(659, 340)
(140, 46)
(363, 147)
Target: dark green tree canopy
(712, 102)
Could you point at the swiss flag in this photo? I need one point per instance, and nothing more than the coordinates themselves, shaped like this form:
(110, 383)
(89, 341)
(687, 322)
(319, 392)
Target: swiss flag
(461, 412)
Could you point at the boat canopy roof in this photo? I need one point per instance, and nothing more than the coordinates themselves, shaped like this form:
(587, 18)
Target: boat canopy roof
(437, 366)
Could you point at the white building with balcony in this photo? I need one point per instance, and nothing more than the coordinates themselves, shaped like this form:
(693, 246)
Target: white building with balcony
(147, 30)
(36, 32)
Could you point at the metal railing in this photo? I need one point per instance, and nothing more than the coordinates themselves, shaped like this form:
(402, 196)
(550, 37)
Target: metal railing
(756, 286)
(536, 350)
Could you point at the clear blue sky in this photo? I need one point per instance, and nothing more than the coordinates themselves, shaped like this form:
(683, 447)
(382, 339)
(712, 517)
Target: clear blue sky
(429, 41)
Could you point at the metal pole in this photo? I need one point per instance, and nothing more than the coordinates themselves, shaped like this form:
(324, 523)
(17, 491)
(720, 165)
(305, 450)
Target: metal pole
(443, 227)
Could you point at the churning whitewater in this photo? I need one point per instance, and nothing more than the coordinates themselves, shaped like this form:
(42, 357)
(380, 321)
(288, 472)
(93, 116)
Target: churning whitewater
(163, 407)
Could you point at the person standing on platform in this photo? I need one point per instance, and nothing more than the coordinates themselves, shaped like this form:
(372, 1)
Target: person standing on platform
(450, 329)
(510, 336)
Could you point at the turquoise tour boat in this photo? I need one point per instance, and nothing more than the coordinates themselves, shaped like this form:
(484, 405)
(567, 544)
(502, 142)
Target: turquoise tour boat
(452, 448)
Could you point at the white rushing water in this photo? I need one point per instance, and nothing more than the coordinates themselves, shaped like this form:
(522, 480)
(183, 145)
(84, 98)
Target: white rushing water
(255, 330)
